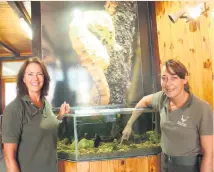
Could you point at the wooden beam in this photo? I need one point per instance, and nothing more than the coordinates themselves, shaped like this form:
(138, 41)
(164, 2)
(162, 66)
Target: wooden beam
(20, 11)
(12, 58)
(11, 49)
(36, 28)
(154, 45)
(24, 10)
(155, 55)
(145, 45)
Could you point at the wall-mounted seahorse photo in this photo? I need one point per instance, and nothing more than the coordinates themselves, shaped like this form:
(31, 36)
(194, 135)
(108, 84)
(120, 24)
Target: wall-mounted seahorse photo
(95, 52)
(104, 42)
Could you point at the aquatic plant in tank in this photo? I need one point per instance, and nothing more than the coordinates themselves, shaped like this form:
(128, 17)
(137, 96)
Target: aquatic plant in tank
(96, 148)
(99, 137)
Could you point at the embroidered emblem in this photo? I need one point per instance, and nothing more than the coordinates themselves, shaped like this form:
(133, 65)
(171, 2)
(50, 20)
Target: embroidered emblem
(183, 120)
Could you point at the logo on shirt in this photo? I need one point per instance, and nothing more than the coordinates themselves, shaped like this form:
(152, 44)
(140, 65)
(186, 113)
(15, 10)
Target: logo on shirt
(183, 120)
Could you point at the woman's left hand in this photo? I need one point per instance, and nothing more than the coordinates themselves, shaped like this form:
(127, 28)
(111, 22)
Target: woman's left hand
(65, 108)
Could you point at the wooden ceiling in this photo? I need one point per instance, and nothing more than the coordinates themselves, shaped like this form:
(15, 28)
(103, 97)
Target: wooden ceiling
(55, 20)
(14, 42)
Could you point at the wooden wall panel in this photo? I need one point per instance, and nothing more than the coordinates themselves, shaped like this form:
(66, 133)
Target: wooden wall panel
(65, 166)
(154, 163)
(137, 164)
(94, 166)
(83, 166)
(192, 47)
(211, 36)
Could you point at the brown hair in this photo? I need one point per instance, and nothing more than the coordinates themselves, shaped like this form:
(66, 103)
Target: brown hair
(21, 87)
(175, 67)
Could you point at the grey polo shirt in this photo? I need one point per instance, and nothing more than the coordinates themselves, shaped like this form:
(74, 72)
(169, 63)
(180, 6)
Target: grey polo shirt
(181, 129)
(35, 132)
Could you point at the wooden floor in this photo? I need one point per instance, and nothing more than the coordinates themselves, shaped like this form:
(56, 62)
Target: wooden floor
(137, 164)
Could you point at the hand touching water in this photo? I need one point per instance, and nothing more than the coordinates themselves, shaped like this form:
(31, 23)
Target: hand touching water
(126, 133)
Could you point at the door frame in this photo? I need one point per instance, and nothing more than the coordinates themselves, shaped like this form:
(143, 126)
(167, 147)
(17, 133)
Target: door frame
(4, 82)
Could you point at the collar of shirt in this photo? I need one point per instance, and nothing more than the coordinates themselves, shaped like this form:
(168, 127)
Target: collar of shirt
(186, 105)
(27, 98)
(34, 109)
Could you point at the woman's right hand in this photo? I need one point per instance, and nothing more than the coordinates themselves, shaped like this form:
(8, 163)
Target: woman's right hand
(126, 132)
(64, 109)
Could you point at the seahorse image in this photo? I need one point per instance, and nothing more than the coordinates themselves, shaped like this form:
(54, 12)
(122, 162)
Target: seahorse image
(103, 41)
(92, 54)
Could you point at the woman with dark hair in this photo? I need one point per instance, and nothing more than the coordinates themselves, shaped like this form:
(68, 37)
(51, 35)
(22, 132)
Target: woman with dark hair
(186, 122)
(29, 130)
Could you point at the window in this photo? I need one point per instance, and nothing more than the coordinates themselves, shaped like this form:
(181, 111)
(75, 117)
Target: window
(8, 91)
(9, 72)
(11, 68)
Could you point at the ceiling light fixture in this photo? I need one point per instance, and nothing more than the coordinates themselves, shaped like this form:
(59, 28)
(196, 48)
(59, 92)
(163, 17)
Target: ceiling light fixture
(26, 27)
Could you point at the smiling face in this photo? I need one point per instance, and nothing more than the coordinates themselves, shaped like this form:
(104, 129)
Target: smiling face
(171, 83)
(33, 78)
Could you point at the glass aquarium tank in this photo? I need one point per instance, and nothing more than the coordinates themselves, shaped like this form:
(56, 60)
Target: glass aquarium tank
(94, 133)
(98, 55)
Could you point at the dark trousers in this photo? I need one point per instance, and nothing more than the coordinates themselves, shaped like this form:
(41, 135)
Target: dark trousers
(170, 166)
